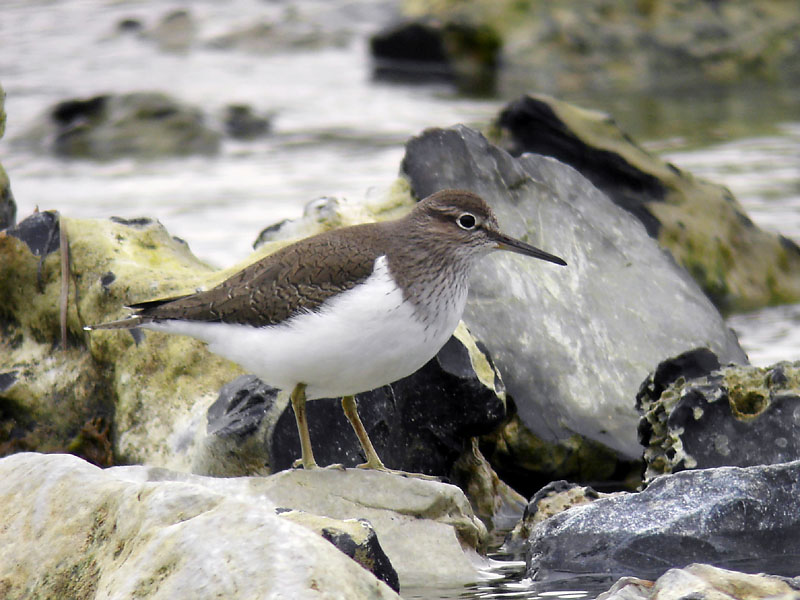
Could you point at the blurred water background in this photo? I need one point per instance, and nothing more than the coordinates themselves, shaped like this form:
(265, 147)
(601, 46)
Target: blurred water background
(336, 131)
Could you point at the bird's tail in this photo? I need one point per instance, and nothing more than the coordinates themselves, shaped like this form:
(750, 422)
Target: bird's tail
(126, 323)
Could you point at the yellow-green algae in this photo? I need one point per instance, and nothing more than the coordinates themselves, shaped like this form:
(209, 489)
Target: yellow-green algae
(748, 390)
(737, 264)
(58, 394)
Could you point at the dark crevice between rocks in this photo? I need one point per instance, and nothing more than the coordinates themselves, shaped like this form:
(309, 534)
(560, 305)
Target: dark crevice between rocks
(530, 125)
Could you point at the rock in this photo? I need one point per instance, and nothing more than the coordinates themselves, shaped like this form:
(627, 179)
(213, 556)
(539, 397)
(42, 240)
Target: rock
(242, 123)
(738, 265)
(493, 501)
(288, 34)
(72, 408)
(72, 530)
(142, 124)
(704, 582)
(420, 52)
(527, 462)
(175, 32)
(563, 46)
(354, 537)
(426, 528)
(732, 517)
(696, 414)
(552, 499)
(8, 208)
(572, 344)
(149, 397)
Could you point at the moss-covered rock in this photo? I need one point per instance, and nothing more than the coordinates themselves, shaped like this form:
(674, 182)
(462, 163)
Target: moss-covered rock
(135, 391)
(141, 124)
(739, 265)
(8, 208)
(697, 414)
(634, 44)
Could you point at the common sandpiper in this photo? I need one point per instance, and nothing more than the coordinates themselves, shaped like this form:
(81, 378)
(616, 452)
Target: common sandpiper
(345, 311)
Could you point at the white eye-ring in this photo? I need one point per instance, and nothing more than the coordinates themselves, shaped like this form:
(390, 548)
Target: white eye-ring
(466, 221)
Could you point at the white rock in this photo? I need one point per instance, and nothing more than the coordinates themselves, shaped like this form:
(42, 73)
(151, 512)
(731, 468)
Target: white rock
(71, 530)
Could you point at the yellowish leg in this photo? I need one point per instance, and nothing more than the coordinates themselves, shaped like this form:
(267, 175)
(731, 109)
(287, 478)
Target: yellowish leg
(299, 406)
(351, 412)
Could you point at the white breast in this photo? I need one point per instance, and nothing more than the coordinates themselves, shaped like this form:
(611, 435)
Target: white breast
(361, 339)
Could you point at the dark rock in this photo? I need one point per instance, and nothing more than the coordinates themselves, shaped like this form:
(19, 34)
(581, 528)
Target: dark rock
(552, 499)
(531, 125)
(572, 344)
(419, 424)
(40, 232)
(738, 265)
(419, 52)
(138, 222)
(710, 417)
(7, 379)
(241, 406)
(690, 364)
(242, 123)
(742, 518)
(130, 25)
(367, 552)
(141, 124)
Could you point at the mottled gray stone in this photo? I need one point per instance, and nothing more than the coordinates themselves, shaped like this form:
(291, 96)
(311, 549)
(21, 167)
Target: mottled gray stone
(746, 519)
(571, 343)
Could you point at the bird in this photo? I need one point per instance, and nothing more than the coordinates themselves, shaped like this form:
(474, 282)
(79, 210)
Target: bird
(344, 311)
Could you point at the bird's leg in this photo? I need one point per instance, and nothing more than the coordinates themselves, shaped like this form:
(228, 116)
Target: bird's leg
(298, 398)
(373, 462)
(351, 412)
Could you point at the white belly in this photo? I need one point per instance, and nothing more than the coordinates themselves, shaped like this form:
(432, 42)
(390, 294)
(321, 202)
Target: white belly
(360, 340)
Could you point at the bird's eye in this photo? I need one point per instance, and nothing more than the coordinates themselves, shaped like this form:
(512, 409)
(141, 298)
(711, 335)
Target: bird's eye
(466, 221)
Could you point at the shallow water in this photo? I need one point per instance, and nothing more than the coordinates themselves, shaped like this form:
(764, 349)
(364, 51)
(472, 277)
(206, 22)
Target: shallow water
(336, 133)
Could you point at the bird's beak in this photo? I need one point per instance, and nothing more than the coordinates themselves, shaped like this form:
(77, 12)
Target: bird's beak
(508, 243)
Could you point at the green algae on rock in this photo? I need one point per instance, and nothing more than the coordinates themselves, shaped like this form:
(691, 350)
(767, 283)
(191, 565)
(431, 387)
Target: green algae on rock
(632, 45)
(145, 125)
(727, 416)
(737, 264)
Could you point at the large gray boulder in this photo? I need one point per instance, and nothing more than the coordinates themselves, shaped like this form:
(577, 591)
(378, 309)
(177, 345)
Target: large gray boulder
(71, 530)
(572, 344)
(747, 519)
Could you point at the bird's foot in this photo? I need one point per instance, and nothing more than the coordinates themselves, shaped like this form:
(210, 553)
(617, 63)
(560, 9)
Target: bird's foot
(312, 465)
(379, 466)
(308, 465)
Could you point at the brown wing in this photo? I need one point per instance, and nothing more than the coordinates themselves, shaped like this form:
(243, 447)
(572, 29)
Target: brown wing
(296, 278)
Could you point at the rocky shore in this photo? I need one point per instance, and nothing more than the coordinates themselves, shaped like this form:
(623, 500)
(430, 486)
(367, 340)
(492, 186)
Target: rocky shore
(137, 464)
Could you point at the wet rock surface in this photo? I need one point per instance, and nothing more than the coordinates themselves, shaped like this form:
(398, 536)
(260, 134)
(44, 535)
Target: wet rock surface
(697, 414)
(738, 265)
(554, 333)
(745, 519)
